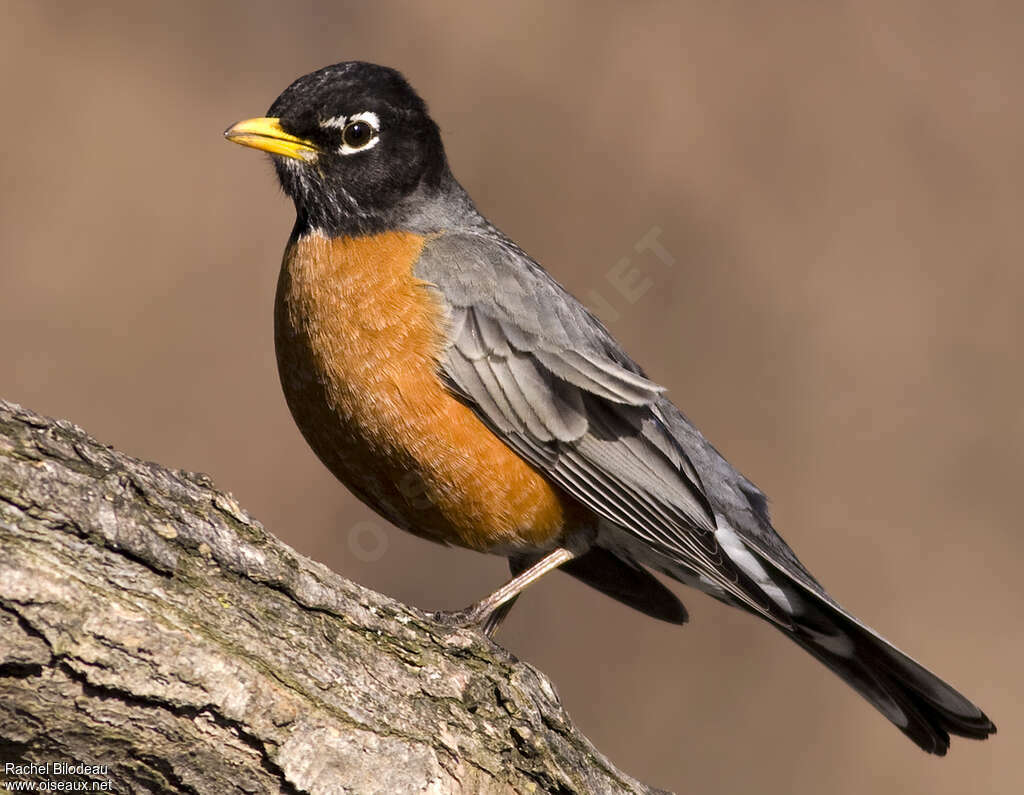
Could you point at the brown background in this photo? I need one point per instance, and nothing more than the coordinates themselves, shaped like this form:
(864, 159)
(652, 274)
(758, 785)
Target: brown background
(840, 185)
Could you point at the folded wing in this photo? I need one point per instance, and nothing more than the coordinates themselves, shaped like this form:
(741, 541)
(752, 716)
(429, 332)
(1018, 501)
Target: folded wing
(548, 379)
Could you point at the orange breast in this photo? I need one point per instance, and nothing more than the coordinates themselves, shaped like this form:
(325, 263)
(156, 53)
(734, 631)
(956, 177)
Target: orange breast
(358, 340)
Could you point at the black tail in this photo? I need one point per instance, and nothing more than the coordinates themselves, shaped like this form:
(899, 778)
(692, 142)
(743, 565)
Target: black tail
(921, 705)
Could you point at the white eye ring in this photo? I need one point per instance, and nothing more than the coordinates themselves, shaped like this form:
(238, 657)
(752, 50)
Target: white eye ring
(343, 122)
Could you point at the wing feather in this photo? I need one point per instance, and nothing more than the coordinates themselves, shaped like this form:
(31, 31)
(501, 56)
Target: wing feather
(547, 378)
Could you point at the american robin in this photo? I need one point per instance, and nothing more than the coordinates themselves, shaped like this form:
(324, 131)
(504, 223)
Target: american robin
(458, 390)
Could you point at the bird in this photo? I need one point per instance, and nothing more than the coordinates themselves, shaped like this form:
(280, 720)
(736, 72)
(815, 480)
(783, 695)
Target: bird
(456, 388)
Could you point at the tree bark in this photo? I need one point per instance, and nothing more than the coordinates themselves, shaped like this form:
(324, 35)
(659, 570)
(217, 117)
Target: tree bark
(149, 625)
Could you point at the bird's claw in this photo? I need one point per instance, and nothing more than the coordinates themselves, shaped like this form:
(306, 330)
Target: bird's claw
(470, 618)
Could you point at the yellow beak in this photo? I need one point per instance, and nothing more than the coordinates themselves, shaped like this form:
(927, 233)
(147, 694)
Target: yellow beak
(265, 133)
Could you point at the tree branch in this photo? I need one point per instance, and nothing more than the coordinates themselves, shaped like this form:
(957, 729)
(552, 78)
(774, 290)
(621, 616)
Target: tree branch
(149, 625)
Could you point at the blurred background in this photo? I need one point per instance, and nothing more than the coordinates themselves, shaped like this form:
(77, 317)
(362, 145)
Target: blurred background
(837, 189)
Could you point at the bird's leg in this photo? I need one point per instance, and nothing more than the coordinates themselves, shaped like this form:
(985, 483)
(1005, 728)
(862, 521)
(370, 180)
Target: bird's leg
(488, 613)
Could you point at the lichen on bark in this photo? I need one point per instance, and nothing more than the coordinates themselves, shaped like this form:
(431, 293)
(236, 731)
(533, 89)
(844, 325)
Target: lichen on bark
(148, 624)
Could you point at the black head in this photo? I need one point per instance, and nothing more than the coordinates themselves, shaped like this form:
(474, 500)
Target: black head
(353, 146)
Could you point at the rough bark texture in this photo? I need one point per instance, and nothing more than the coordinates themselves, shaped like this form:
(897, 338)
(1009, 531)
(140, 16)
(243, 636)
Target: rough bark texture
(149, 625)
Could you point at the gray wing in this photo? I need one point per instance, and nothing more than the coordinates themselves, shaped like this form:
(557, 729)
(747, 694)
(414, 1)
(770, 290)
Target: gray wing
(550, 381)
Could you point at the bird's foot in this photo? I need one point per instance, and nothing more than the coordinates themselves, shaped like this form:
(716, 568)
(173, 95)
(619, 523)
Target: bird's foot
(484, 616)
(457, 619)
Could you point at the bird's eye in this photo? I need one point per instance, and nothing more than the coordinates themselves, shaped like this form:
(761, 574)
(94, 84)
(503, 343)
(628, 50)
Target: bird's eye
(357, 134)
